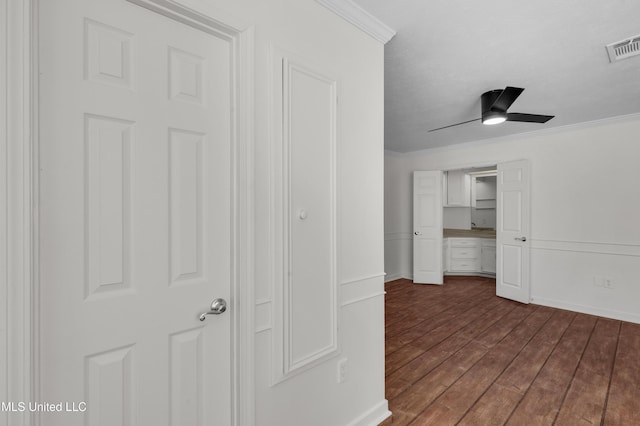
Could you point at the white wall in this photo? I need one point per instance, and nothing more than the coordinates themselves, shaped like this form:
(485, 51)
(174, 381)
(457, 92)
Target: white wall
(316, 36)
(585, 209)
(483, 218)
(456, 217)
(398, 200)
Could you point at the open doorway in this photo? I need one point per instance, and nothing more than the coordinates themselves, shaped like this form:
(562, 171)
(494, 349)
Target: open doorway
(469, 221)
(439, 248)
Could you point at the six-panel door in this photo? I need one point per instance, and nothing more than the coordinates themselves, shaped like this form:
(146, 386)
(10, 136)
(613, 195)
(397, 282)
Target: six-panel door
(135, 216)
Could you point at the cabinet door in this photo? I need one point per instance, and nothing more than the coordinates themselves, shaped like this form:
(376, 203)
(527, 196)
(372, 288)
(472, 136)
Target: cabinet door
(489, 259)
(445, 255)
(458, 189)
(464, 255)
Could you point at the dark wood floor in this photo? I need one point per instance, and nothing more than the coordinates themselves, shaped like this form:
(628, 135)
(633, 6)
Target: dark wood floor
(457, 354)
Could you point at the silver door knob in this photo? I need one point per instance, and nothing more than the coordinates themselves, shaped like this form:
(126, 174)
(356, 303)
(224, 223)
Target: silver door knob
(218, 306)
(417, 233)
(523, 239)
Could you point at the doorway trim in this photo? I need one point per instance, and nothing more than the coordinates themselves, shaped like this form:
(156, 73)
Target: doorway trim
(21, 141)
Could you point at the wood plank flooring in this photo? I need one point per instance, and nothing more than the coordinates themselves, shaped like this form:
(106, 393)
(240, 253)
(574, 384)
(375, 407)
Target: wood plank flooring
(458, 354)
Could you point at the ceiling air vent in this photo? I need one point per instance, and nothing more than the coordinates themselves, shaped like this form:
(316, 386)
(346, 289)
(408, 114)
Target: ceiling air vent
(624, 49)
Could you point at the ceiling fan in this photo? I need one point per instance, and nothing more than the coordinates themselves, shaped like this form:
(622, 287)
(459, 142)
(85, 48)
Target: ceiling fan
(495, 104)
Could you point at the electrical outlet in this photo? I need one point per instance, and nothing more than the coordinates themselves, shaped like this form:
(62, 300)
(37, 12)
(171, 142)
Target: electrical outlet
(342, 370)
(608, 282)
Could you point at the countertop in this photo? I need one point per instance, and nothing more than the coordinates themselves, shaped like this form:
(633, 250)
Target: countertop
(470, 233)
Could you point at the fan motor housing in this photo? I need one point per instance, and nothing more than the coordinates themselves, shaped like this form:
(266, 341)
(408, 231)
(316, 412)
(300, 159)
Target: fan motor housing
(490, 114)
(488, 98)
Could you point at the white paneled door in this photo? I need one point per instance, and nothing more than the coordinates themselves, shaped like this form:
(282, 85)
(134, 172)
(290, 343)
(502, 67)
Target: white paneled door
(513, 231)
(135, 217)
(427, 227)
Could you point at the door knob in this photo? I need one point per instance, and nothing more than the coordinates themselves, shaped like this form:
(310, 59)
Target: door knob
(218, 306)
(523, 239)
(417, 233)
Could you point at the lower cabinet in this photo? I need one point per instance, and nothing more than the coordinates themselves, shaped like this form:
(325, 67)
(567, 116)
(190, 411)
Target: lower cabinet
(469, 255)
(488, 255)
(465, 254)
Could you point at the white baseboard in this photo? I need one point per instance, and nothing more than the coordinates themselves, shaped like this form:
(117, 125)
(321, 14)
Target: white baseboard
(470, 274)
(374, 416)
(590, 310)
(392, 277)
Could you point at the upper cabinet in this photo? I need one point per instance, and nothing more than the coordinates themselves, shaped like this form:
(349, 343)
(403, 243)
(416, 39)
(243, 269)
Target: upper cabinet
(457, 189)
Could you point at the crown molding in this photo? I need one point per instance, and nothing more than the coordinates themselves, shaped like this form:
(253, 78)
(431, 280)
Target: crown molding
(356, 15)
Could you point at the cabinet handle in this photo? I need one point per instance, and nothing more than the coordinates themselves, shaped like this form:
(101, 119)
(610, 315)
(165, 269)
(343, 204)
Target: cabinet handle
(523, 239)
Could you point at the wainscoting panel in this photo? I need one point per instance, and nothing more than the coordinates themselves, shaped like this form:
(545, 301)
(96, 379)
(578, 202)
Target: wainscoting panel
(361, 289)
(304, 216)
(589, 277)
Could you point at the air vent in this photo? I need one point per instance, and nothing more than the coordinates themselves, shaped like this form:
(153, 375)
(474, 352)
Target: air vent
(624, 49)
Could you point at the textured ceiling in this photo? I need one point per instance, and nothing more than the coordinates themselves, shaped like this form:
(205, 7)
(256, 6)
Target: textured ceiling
(448, 52)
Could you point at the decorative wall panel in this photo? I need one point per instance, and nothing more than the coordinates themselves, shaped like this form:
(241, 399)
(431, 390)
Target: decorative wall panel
(306, 297)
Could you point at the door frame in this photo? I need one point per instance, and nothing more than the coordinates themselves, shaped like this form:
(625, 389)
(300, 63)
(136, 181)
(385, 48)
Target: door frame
(20, 141)
(491, 164)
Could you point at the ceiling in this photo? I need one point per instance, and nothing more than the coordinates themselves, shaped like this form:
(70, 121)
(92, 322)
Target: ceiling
(446, 53)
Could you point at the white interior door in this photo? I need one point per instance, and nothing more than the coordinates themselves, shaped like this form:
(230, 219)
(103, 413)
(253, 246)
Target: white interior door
(513, 231)
(427, 227)
(135, 232)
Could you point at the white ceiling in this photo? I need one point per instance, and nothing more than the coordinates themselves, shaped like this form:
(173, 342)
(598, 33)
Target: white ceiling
(448, 52)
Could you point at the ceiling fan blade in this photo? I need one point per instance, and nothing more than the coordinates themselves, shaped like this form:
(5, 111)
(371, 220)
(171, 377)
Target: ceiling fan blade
(457, 124)
(506, 98)
(528, 118)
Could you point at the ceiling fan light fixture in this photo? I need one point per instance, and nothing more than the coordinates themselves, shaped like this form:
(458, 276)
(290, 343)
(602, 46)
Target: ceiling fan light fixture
(493, 117)
(496, 103)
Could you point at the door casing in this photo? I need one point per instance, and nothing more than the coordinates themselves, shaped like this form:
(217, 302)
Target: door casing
(21, 347)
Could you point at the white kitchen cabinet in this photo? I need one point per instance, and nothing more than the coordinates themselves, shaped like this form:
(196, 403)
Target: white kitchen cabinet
(488, 256)
(464, 254)
(458, 189)
(445, 255)
(469, 256)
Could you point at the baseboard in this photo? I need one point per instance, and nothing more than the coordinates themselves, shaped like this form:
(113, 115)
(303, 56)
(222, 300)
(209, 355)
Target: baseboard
(392, 277)
(374, 416)
(590, 310)
(398, 276)
(470, 274)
